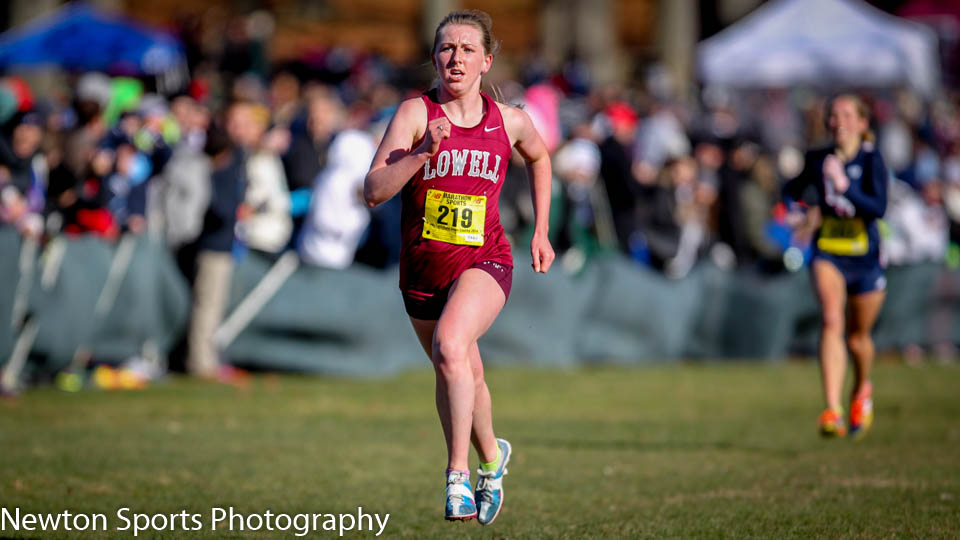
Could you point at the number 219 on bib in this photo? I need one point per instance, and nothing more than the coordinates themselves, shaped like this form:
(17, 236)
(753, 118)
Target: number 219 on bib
(454, 218)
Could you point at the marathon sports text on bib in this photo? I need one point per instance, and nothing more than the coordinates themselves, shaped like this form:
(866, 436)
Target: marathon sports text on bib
(454, 218)
(843, 236)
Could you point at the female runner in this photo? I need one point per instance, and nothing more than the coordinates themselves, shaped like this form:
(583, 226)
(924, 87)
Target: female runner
(446, 152)
(850, 180)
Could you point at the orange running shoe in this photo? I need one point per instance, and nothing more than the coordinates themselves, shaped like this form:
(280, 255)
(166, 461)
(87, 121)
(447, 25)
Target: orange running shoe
(832, 424)
(861, 411)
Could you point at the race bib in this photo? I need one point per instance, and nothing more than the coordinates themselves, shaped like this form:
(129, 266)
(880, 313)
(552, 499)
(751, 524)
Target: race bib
(843, 236)
(454, 218)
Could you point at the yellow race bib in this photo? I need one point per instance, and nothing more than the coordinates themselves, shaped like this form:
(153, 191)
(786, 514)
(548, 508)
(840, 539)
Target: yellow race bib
(843, 236)
(454, 218)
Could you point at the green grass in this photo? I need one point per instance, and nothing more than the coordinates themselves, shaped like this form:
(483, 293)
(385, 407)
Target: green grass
(711, 451)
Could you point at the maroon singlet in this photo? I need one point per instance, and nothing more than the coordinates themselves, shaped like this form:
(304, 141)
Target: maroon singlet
(472, 161)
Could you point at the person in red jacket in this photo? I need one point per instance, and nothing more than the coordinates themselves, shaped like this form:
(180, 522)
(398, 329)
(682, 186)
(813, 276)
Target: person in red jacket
(446, 152)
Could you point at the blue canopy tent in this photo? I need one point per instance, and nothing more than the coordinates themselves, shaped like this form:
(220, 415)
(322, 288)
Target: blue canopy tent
(78, 37)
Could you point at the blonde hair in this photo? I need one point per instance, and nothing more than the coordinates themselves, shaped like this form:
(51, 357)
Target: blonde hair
(863, 110)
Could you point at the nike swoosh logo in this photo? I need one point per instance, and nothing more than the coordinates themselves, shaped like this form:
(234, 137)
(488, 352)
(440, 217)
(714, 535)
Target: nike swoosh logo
(488, 130)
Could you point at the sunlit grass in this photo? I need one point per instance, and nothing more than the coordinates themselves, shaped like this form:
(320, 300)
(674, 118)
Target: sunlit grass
(707, 451)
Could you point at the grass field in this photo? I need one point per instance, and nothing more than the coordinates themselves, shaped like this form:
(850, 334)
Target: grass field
(698, 451)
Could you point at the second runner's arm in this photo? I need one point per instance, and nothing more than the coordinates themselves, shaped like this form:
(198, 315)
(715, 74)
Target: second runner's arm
(869, 197)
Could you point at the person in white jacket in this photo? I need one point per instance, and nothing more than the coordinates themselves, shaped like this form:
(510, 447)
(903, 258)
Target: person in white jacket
(338, 216)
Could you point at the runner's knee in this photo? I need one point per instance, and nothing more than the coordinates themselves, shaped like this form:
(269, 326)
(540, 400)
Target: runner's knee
(478, 383)
(859, 343)
(832, 321)
(450, 351)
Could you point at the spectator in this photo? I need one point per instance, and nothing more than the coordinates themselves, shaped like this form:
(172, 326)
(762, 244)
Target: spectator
(616, 170)
(661, 136)
(126, 188)
(214, 261)
(76, 197)
(660, 218)
(23, 177)
(307, 153)
(191, 120)
(951, 190)
(338, 215)
(284, 98)
(81, 143)
(181, 194)
(154, 137)
(587, 224)
(758, 196)
(267, 224)
(732, 228)
(918, 224)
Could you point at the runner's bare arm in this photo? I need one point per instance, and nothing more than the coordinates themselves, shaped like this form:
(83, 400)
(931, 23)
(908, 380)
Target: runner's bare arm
(396, 161)
(528, 143)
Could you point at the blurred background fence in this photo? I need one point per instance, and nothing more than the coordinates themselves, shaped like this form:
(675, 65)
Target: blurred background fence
(351, 321)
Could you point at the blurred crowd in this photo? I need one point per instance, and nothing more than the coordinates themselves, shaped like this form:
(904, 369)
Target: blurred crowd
(687, 180)
(250, 156)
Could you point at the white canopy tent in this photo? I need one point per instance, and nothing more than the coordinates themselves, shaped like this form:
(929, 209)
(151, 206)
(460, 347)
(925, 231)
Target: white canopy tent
(838, 43)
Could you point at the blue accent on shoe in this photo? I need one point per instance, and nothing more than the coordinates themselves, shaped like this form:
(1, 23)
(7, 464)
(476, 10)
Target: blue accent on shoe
(489, 494)
(460, 504)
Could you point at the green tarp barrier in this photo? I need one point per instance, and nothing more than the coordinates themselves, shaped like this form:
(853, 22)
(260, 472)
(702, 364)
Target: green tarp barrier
(152, 302)
(634, 314)
(747, 315)
(542, 319)
(9, 274)
(326, 321)
(352, 322)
